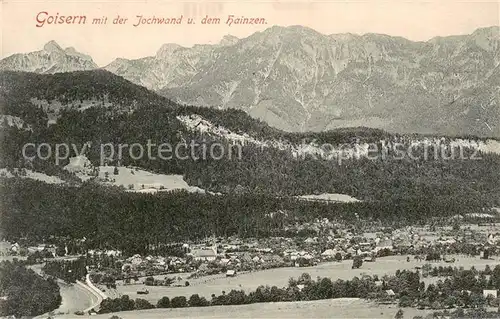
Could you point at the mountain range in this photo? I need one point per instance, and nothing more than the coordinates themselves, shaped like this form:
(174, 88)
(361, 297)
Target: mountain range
(297, 79)
(52, 59)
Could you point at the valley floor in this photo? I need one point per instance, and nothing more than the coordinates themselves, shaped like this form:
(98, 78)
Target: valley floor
(206, 286)
(331, 308)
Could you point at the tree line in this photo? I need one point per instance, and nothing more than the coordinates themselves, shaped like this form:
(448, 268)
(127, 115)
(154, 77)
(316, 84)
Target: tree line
(67, 270)
(462, 289)
(109, 218)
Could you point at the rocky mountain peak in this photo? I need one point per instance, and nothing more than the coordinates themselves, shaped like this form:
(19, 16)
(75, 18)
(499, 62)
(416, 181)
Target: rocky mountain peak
(51, 59)
(298, 79)
(228, 40)
(487, 38)
(52, 47)
(167, 49)
(344, 37)
(291, 32)
(71, 50)
(493, 31)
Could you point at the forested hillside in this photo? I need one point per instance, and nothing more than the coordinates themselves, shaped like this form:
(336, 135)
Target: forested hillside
(132, 114)
(262, 181)
(26, 293)
(137, 223)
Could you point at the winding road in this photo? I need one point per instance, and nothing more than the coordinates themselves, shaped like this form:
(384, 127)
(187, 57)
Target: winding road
(75, 297)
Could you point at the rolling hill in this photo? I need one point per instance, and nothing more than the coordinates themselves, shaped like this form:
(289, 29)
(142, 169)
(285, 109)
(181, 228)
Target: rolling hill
(269, 160)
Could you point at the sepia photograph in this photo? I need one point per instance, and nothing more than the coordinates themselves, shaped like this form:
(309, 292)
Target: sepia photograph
(249, 159)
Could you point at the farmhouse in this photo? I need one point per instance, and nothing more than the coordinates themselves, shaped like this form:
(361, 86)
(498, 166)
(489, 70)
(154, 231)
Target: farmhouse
(330, 253)
(390, 293)
(14, 248)
(488, 292)
(384, 244)
(205, 254)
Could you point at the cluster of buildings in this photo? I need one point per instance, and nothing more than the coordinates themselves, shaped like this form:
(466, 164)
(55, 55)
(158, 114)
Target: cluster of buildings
(325, 241)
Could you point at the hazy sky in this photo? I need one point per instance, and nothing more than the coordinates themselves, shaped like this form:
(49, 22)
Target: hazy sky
(415, 20)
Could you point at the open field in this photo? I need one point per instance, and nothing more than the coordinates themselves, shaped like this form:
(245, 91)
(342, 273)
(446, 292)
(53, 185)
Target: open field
(206, 286)
(331, 308)
(336, 198)
(34, 175)
(144, 181)
(131, 178)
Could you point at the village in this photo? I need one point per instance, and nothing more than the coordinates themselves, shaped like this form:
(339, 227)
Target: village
(216, 267)
(231, 256)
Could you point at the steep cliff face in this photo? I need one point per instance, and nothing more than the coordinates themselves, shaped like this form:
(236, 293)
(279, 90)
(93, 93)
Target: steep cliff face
(298, 79)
